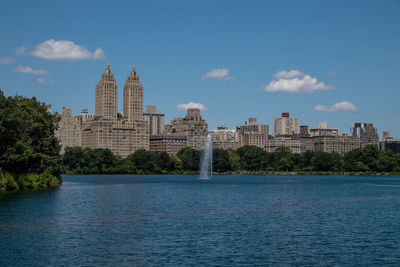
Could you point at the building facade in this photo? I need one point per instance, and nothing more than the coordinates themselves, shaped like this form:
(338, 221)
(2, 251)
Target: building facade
(193, 127)
(285, 125)
(337, 144)
(154, 120)
(253, 134)
(68, 132)
(293, 144)
(169, 143)
(224, 138)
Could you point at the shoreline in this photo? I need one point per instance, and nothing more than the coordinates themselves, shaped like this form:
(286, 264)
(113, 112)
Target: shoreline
(293, 173)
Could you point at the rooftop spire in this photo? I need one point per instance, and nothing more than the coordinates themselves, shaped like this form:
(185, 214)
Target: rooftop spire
(133, 71)
(108, 69)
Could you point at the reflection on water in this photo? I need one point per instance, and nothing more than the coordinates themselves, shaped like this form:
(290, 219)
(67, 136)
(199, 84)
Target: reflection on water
(180, 220)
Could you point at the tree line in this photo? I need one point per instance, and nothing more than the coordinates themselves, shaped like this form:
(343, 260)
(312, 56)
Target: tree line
(370, 159)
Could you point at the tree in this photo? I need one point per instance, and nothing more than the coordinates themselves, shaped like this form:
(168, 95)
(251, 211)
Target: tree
(142, 160)
(251, 158)
(27, 141)
(221, 160)
(322, 161)
(190, 158)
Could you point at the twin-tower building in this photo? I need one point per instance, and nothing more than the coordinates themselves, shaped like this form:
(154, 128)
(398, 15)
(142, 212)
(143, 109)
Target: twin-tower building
(122, 133)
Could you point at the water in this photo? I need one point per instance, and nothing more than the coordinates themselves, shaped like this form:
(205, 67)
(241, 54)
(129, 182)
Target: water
(184, 221)
(206, 160)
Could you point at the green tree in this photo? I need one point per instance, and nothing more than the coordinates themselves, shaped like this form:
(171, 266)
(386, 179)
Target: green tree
(27, 141)
(322, 161)
(283, 159)
(190, 158)
(221, 160)
(252, 158)
(142, 160)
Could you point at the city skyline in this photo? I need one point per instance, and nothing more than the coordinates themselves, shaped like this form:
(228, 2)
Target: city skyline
(332, 61)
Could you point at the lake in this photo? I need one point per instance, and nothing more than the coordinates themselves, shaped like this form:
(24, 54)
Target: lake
(166, 220)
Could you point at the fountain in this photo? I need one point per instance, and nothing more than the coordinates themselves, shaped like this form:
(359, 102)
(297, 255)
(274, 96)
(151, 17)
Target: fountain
(206, 160)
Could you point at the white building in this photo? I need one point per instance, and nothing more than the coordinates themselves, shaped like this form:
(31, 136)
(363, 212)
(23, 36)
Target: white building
(285, 125)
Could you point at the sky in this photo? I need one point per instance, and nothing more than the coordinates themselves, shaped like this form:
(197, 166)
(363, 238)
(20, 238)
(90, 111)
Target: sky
(333, 61)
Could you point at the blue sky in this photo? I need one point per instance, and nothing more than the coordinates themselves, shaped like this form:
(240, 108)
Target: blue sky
(333, 61)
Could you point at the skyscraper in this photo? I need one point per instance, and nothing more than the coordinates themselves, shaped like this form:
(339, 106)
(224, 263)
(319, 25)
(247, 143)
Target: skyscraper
(155, 120)
(133, 97)
(106, 105)
(285, 125)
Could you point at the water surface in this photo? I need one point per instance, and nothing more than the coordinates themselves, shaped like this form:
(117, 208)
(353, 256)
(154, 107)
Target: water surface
(181, 220)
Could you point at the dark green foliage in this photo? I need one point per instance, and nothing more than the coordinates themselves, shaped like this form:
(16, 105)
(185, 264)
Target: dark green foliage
(190, 158)
(252, 158)
(322, 161)
(27, 142)
(221, 160)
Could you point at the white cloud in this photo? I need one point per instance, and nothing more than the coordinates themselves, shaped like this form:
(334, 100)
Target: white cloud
(29, 70)
(288, 75)
(7, 60)
(20, 50)
(191, 105)
(341, 106)
(65, 50)
(43, 81)
(219, 74)
(295, 82)
(363, 72)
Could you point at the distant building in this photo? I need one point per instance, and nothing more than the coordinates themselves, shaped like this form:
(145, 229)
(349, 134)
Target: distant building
(358, 129)
(155, 120)
(323, 130)
(337, 144)
(391, 144)
(193, 127)
(285, 125)
(304, 131)
(370, 136)
(307, 144)
(168, 143)
(224, 138)
(385, 135)
(253, 134)
(293, 144)
(68, 132)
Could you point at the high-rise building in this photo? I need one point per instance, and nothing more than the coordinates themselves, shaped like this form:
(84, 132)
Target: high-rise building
(304, 131)
(193, 126)
(133, 98)
(370, 136)
(285, 125)
(107, 96)
(155, 120)
(123, 135)
(224, 138)
(358, 129)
